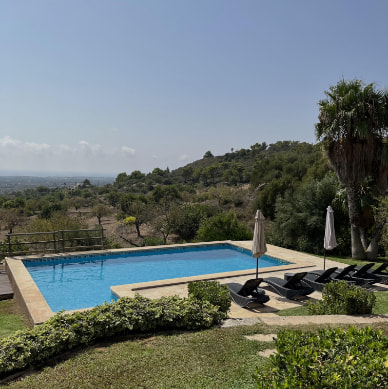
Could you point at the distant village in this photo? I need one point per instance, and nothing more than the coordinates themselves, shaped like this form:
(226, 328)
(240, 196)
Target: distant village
(10, 184)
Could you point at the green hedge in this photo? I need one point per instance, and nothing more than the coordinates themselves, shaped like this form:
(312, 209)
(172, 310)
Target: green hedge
(341, 298)
(64, 332)
(213, 292)
(331, 358)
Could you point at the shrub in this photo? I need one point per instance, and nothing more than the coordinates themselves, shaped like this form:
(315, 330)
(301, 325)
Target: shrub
(211, 291)
(153, 241)
(332, 358)
(64, 332)
(223, 226)
(341, 298)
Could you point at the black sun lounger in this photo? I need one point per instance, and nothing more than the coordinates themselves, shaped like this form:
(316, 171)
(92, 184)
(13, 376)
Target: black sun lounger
(346, 274)
(360, 271)
(243, 295)
(379, 272)
(380, 269)
(339, 274)
(291, 288)
(317, 281)
(366, 272)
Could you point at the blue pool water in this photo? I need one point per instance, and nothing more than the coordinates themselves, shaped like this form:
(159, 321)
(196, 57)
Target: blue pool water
(81, 282)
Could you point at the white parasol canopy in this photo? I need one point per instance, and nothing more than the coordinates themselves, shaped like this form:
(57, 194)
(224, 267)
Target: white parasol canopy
(329, 242)
(259, 247)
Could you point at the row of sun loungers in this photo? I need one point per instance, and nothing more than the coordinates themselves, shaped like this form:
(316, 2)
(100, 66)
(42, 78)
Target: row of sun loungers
(302, 284)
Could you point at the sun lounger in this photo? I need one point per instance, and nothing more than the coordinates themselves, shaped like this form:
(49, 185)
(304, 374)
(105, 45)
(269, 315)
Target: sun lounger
(360, 271)
(249, 293)
(378, 272)
(380, 269)
(317, 282)
(366, 272)
(291, 288)
(346, 274)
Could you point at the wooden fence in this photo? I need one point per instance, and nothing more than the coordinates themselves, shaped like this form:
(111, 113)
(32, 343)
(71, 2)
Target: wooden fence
(55, 241)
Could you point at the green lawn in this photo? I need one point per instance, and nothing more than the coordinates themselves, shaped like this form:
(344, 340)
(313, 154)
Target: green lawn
(351, 261)
(216, 358)
(11, 319)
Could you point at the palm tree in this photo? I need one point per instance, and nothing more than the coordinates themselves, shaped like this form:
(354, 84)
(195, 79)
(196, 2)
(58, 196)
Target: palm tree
(353, 128)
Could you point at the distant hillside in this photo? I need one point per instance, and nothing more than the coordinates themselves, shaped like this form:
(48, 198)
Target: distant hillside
(9, 184)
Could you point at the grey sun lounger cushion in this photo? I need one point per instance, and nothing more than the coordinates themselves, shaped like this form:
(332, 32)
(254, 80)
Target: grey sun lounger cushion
(291, 288)
(249, 293)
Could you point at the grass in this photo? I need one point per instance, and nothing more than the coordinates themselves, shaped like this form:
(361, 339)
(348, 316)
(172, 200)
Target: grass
(216, 358)
(11, 318)
(358, 262)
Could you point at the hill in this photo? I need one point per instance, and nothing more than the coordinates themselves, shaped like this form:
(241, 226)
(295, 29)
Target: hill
(260, 164)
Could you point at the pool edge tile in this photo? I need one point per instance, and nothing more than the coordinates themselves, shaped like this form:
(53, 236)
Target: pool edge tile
(26, 293)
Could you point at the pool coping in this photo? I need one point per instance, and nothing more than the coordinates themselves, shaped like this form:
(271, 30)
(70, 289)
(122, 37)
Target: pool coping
(29, 297)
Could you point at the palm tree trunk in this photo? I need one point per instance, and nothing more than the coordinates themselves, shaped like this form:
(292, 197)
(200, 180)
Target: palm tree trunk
(373, 249)
(364, 238)
(358, 251)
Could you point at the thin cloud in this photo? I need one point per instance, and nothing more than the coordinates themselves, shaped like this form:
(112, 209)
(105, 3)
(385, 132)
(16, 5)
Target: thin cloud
(83, 156)
(7, 141)
(183, 157)
(37, 147)
(128, 151)
(85, 146)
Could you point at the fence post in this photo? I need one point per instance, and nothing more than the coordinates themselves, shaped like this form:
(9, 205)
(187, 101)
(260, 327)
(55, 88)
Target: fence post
(102, 238)
(55, 241)
(9, 244)
(63, 240)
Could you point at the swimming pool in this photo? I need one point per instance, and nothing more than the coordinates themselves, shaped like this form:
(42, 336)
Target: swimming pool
(82, 282)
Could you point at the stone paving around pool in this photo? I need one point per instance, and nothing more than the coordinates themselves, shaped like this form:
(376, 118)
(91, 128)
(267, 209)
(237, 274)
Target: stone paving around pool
(37, 309)
(257, 312)
(302, 262)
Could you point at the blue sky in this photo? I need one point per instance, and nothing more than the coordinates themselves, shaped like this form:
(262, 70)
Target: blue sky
(108, 86)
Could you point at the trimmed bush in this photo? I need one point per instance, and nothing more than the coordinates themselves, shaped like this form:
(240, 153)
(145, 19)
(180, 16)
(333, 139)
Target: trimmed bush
(64, 332)
(341, 298)
(332, 358)
(211, 291)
